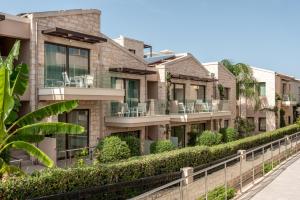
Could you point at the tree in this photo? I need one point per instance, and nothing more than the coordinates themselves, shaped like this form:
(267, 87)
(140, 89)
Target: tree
(20, 133)
(246, 85)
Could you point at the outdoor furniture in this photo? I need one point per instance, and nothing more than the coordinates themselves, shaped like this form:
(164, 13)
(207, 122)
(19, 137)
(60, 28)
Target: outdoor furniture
(79, 82)
(67, 81)
(88, 81)
(190, 107)
(199, 105)
(142, 109)
(124, 110)
(181, 108)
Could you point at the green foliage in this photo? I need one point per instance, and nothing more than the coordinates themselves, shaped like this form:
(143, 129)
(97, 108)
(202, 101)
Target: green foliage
(160, 146)
(243, 126)
(209, 138)
(112, 149)
(53, 181)
(219, 194)
(192, 138)
(133, 143)
(229, 134)
(282, 120)
(20, 133)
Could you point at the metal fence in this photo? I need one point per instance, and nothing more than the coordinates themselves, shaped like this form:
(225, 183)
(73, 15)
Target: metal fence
(235, 172)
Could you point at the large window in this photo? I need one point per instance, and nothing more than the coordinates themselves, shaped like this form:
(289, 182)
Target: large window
(60, 59)
(132, 89)
(262, 89)
(226, 93)
(262, 124)
(64, 142)
(178, 92)
(178, 135)
(197, 92)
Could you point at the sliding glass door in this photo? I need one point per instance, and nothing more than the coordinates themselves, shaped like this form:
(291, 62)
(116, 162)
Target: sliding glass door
(65, 142)
(197, 92)
(178, 135)
(178, 92)
(59, 59)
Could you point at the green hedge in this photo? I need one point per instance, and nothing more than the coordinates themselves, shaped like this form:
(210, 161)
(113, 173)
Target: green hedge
(62, 180)
(160, 146)
(209, 138)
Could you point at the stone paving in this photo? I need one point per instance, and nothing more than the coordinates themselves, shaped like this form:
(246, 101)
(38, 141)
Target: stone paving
(282, 184)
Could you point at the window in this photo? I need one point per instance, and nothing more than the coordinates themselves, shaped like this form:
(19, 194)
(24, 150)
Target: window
(284, 88)
(262, 89)
(197, 92)
(59, 59)
(178, 135)
(226, 123)
(226, 93)
(132, 89)
(65, 142)
(132, 50)
(262, 124)
(289, 119)
(198, 128)
(178, 92)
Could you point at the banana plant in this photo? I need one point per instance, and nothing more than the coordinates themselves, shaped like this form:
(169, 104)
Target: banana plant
(21, 132)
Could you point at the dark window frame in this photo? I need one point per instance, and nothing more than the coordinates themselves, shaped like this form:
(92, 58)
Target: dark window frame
(204, 86)
(259, 124)
(124, 84)
(184, 85)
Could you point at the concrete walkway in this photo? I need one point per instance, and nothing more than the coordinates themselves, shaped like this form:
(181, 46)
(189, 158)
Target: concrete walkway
(282, 184)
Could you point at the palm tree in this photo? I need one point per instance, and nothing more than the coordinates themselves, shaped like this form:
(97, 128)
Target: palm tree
(22, 132)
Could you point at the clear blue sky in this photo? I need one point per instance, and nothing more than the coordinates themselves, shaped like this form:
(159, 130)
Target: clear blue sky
(262, 33)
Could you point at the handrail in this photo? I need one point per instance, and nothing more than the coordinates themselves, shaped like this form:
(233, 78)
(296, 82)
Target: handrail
(144, 195)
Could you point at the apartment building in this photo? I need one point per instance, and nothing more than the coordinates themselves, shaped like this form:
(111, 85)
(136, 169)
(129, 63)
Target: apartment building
(119, 91)
(277, 92)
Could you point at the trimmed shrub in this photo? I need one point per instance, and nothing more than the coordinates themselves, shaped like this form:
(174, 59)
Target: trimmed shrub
(229, 134)
(160, 146)
(54, 181)
(133, 144)
(112, 149)
(209, 138)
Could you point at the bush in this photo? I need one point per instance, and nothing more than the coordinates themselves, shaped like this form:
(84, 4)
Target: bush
(192, 138)
(133, 144)
(229, 134)
(112, 149)
(209, 138)
(54, 181)
(219, 194)
(161, 146)
(243, 126)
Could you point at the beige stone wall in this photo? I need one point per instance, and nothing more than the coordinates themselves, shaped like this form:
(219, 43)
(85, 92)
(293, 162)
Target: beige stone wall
(133, 44)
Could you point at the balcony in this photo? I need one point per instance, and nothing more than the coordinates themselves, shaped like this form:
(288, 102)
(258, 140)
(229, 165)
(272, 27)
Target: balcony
(288, 100)
(83, 87)
(135, 114)
(196, 110)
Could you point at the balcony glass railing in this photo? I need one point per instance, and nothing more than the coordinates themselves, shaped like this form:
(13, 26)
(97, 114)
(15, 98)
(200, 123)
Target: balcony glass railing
(133, 108)
(97, 79)
(288, 97)
(198, 106)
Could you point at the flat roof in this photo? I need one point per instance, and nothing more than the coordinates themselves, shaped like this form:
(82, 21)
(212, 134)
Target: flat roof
(132, 71)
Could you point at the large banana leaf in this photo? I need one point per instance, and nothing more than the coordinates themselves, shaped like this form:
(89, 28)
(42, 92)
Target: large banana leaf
(47, 128)
(19, 79)
(47, 111)
(13, 54)
(31, 138)
(6, 100)
(32, 150)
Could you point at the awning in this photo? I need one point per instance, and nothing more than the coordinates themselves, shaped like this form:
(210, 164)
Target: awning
(193, 78)
(60, 32)
(132, 71)
(2, 17)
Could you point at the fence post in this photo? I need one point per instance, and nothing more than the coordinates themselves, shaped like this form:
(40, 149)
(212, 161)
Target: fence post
(253, 170)
(187, 174)
(263, 157)
(205, 185)
(286, 140)
(225, 175)
(272, 155)
(242, 154)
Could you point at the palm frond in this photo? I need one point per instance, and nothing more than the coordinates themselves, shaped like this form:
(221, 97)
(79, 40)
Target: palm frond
(46, 111)
(47, 128)
(32, 150)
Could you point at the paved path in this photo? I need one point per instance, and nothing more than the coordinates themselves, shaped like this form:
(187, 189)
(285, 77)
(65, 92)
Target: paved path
(282, 184)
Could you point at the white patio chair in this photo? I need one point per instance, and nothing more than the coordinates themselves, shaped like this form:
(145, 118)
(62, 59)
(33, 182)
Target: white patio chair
(89, 81)
(67, 81)
(181, 108)
(190, 107)
(124, 110)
